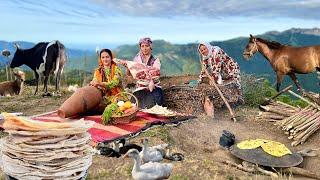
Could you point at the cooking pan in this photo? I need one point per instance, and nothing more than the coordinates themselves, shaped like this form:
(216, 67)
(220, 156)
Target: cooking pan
(260, 157)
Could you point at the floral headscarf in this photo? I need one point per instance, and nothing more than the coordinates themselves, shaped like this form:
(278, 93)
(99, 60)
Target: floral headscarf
(210, 50)
(138, 57)
(146, 40)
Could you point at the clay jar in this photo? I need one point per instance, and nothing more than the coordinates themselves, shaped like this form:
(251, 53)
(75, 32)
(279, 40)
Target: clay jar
(81, 101)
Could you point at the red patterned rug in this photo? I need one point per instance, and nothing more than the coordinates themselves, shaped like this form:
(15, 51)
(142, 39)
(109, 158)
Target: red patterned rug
(107, 133)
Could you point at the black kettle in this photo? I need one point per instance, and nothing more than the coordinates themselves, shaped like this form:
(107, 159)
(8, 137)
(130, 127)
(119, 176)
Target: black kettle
(227, 139)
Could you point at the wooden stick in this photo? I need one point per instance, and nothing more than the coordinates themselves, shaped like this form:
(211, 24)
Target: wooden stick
(279, 93)
(301, 123)
(239, 166)
(275, 117)
(282, 108)
(308, 122)
(309, 134)
(302, 172)
(304, 99)
(258, 169)
(288, 105)
(233, 117)
(289, 119)
(269, 173)
(313, 96)
(301, 135)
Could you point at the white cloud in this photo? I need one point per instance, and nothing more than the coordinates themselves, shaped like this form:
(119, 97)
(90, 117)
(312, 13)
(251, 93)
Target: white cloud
(217, 8)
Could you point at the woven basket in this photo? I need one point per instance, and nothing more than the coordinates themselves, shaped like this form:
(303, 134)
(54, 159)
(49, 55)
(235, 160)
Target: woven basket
(127, 118)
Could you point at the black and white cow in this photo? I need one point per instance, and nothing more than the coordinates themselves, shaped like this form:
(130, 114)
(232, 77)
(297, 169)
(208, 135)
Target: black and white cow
(44, 59)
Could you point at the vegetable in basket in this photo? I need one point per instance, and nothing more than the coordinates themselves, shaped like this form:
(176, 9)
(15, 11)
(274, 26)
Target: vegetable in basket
(107, 113)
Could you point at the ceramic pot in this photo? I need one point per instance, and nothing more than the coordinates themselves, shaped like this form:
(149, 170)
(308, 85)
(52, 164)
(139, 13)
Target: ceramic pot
(82, 100)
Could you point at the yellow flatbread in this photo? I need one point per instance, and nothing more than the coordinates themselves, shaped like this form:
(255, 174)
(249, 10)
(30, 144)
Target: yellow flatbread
(250, 144)
(275, 149)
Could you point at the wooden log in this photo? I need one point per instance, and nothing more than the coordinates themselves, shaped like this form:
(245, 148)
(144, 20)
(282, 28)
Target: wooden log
(301, 122)
(275, 117)
(308, 122)
(252, 168)
(268, 114)
(269, 120)
(288, 105)
(283, 107)
(291, 122)
(316, 128)
(239, 166)
(295, 143)
(274, 110)
(269, 173)
(305, 100)
(301, 135)
(292, 118)
(313, 96)
(258, 169)
(302, 172)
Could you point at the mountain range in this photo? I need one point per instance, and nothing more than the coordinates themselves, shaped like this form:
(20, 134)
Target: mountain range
(183, 58)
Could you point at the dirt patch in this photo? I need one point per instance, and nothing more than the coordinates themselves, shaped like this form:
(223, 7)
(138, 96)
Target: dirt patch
(197, 140)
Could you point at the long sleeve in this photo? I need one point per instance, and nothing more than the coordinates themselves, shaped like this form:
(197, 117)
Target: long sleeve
(202, 72)
(230, 66)
(154, 71)
(96, 75)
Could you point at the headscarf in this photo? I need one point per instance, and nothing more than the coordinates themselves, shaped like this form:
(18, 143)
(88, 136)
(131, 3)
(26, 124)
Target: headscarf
(210, 50)
(138, 57)
(146, 40)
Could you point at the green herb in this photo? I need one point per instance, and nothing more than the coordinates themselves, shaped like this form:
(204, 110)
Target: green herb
(108, 111)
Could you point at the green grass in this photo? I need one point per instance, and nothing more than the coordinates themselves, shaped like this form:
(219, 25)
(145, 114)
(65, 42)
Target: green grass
(101, 174)
(255, 92)
(161, 132)
(179, 177)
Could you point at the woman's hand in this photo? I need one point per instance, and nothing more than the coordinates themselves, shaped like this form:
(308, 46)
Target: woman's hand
(93, 83)
(120, 61)
(151, 86)
(96, 84)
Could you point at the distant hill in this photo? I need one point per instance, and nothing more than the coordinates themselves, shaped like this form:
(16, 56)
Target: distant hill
(184, 59)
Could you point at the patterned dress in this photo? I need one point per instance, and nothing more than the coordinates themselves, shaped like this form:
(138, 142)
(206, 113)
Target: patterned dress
(219, 64)
(144, 74)
(110, 78)
(151, 71)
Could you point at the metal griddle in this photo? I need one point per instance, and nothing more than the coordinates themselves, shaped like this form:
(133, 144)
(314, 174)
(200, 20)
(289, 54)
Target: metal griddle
(258, 156)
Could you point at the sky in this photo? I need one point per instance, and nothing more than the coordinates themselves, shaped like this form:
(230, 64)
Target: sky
(90, 23)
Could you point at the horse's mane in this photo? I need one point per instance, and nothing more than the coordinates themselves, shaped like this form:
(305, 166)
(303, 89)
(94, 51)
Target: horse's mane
(271, 44)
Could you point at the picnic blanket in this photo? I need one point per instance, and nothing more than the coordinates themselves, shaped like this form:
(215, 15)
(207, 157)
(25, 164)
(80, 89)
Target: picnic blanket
(107, 133)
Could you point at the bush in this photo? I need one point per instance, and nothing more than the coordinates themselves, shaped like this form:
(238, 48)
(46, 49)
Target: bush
(255, 91)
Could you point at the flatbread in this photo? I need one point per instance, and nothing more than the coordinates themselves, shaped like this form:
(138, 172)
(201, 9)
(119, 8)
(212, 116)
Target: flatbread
(45, 150)
(250, 144)
(12, 122)
(275, 149)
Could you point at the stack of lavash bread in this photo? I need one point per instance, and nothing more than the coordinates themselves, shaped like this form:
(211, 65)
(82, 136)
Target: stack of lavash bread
(45, 150)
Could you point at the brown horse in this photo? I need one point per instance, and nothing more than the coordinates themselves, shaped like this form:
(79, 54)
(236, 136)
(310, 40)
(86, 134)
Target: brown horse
(284, 59)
